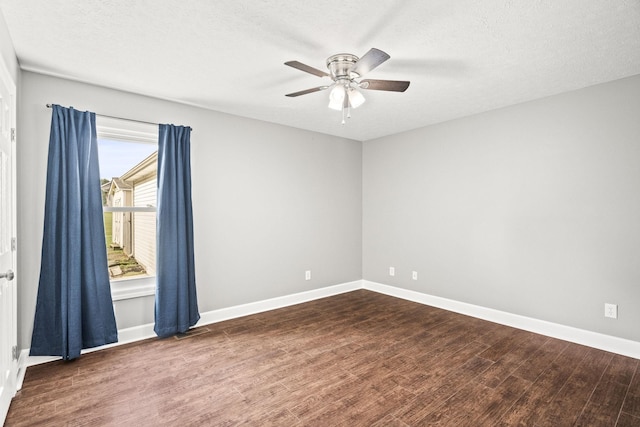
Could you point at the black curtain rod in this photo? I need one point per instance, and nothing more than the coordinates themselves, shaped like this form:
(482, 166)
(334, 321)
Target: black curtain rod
(121, 118)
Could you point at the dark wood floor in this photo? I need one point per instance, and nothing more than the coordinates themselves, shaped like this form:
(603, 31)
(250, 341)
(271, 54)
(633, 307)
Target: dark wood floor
(357, 359)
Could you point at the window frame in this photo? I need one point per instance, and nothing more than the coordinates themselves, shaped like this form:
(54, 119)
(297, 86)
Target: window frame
(115, 129)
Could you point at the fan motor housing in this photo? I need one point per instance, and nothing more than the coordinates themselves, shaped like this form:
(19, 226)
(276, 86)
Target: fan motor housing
(339, 65)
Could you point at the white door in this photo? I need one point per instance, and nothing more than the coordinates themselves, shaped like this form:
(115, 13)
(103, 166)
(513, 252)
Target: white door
(8, 295)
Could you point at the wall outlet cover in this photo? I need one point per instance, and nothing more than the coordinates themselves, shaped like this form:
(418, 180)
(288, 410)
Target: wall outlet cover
(611, 310)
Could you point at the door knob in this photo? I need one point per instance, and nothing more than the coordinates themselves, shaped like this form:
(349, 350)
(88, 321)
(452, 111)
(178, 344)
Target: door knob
(8, 275)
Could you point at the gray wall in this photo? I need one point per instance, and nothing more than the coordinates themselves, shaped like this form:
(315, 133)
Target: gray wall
(532, 209)
(269, 201)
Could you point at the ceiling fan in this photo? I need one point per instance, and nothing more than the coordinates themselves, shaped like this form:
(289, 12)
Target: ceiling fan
(346, 71)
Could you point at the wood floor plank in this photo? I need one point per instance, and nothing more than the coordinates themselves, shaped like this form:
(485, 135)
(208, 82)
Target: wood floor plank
(539, 361)
(570, 400)
(634, 387)
(499, 401)
(441, 390)
(511, 360)
(621, 369)
(625, 420)
(604, 405)
(389, 421)
(506, 345)
(460, 408)
(631, 404)
(355, 359)
(532, 404)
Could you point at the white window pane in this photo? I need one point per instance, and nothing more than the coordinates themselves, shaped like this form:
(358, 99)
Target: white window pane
(121, 159)
(128, 172)
(127, 153)
(131, 244)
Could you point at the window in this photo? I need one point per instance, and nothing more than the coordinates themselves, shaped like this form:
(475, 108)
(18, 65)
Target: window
(128, 153)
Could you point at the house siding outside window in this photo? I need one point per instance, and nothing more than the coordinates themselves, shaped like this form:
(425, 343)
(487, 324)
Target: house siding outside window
(128, 168)
(144, 229)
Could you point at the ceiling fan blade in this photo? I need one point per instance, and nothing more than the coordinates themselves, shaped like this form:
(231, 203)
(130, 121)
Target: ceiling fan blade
(390, 85)
(304, 92)
(306, 68)
(369, 61)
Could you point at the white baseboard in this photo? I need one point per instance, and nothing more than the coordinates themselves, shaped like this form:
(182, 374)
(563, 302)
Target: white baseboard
(142, 332)
(275, 303)
(567, 333)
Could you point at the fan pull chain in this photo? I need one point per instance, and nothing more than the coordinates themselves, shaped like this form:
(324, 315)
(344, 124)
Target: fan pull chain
(343, 122)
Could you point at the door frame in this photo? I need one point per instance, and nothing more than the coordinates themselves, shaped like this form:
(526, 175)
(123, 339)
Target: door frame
(7, 81)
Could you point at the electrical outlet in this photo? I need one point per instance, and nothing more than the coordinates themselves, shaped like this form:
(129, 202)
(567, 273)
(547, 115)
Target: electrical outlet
(414, 275)
(392, 271)
(307, 275)
(611, 310)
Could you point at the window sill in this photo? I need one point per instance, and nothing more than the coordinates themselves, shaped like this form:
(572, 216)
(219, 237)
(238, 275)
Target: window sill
(133, 288)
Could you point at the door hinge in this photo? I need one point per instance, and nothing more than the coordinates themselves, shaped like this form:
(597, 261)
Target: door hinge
(14, 244)
(14, 352)
(13, 134)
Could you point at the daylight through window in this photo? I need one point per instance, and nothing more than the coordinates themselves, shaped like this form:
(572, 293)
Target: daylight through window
(128, 153)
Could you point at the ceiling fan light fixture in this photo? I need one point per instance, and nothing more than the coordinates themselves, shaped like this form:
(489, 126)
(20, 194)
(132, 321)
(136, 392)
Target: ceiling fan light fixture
(346, 70)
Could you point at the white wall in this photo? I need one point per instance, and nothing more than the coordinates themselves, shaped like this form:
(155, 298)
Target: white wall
(269, 201)
(533, 209)
(7, 52)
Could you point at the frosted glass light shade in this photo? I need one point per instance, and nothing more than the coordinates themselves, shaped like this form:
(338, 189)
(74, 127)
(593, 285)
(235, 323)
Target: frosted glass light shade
(336, 97)
(355, 98)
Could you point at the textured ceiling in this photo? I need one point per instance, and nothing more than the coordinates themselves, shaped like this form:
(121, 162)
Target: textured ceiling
(462, 57)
